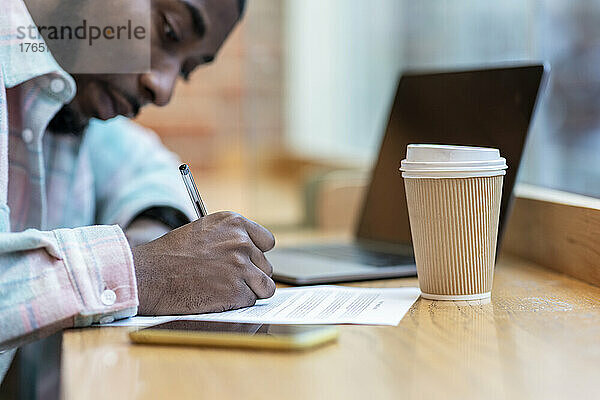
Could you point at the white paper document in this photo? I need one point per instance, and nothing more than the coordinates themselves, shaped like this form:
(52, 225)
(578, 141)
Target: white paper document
(311, 305)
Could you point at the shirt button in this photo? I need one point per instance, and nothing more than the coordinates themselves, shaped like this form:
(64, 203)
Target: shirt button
(57, 85)
(108, 297)
(27, 135)
(107, 319)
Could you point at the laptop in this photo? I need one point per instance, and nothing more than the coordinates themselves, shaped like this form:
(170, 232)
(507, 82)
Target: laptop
(485, 107)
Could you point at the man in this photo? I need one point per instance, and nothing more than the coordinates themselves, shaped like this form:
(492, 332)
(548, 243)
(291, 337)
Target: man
(68, 186)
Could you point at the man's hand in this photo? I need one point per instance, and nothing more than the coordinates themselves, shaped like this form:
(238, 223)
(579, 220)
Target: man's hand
(214, 264)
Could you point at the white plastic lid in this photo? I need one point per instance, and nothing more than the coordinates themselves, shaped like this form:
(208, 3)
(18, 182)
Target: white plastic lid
(447, 161)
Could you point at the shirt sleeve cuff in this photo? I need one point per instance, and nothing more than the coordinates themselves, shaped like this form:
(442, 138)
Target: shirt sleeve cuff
(100, 266)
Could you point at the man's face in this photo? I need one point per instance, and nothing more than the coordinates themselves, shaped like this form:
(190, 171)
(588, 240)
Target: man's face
(185, 35)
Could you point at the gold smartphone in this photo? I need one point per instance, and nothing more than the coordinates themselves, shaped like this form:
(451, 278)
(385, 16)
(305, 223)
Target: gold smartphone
(233, 334)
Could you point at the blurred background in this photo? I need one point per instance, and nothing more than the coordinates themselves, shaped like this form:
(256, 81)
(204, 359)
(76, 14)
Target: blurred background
(298, 99)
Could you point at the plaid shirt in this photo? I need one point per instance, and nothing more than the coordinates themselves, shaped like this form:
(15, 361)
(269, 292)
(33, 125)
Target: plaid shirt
(56, 270)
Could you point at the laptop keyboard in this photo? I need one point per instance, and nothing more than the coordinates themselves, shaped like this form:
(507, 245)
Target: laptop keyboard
(357, 255)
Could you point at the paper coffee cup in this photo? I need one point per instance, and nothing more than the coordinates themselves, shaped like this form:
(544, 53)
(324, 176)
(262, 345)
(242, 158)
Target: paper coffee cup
(453, 195)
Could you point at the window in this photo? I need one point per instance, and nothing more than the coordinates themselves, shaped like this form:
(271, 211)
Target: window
(344, 57)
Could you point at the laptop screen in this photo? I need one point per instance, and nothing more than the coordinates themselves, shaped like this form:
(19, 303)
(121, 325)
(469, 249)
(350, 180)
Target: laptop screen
(490, 108)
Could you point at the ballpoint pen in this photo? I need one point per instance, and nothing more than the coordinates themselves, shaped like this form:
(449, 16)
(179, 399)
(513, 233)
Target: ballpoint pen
(190, 185)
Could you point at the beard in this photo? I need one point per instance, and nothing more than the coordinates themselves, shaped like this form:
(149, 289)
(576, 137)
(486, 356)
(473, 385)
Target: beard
(68, 121)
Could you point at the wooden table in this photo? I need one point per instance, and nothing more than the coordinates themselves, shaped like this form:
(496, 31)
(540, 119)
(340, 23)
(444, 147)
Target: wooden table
(538, 338)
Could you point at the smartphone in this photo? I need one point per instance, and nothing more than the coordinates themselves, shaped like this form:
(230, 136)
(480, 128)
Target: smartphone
(233, 334)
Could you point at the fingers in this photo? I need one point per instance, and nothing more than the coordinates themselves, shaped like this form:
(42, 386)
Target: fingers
(244, 242)
(260, 269)
(244, 296)
(262, 286)
(258, 258)
(261, 236)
